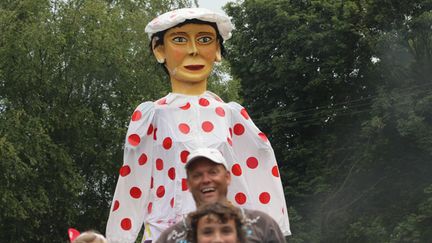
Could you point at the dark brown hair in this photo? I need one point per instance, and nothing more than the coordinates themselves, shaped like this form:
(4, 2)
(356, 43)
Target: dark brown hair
(222, 211)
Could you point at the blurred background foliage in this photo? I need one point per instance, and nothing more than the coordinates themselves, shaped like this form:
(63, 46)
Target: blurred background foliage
(342, 88)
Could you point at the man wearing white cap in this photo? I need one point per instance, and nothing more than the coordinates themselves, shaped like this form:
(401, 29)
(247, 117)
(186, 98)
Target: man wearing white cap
(208, 179)
(152, 188)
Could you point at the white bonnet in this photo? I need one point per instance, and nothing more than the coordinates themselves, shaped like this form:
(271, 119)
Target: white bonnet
(175, 17)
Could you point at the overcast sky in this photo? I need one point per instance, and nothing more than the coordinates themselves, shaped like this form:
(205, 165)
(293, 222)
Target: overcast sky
(215, 5)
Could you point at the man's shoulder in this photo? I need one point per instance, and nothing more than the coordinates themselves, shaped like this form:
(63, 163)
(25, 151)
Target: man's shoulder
(261, 227)
(174, 233)
(255, 215)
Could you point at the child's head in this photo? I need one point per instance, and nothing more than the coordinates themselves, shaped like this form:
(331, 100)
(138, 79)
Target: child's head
(219, 221)
(90, 237)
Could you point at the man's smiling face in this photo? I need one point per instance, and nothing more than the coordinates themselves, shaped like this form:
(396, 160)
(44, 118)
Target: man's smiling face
(208, 181)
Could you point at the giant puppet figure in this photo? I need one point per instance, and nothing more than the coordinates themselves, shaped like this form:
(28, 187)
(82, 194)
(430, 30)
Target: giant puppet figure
(152, 188)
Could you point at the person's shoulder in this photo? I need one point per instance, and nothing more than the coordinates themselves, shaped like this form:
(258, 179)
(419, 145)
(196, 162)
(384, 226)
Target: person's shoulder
(234, 105)
(262, 227)
(255, 216)
(251, 212)
(174, 233)
(145, 107)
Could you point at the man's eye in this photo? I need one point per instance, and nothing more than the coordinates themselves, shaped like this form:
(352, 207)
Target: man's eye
(179, 39)
(213, 171)
(205, 39)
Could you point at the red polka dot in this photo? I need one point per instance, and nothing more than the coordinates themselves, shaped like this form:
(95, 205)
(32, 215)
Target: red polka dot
(184, 128)
(172, 202)
(150, 129)
(149, 208)
(135, 192)
(136, 115)
(229, 141)
(151, 182)
(275, 171)
(244, 114)
(154, 134)
(238, 129)
(185, 107)
(171, 173)
(142, 159)
(264, 197)
(134, 139)
(252, 162)
(159, 164)
(184, 185)
(236, 170)
(116, 205)
(167, 143)
(263, 136)
(230, 131)
(204, 102)
(183, 156)
(220, 111)
(240, 198)
(160, 192)
(126, 224)
(125, 170)
(162, 101)
(207, 126)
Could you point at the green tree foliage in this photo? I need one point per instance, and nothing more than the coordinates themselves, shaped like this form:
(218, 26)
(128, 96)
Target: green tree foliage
(71, 73)
(343, 88)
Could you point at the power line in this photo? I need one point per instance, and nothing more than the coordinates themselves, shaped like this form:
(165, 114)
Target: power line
(371, 97)
(320, 115)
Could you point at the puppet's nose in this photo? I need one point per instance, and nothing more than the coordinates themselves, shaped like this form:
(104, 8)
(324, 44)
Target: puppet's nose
(193, 50)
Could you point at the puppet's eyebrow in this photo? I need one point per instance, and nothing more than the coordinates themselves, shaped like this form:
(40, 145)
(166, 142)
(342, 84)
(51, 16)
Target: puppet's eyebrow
(185, 33)
(206, 33)
(178, 33)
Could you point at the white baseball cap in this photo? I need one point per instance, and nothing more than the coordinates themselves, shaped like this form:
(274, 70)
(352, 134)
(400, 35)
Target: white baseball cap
(209, 153)
(175, 17)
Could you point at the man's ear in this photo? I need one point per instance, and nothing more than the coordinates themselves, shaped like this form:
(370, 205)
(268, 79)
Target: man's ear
(158, 51)
(218, 54)
(187, 181)
(228, 176)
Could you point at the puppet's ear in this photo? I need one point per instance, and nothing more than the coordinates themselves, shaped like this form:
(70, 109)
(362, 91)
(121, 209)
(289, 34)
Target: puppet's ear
(218, 54)
(158, 51)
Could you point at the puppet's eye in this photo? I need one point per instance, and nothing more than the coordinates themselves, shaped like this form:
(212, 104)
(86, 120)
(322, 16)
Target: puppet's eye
(179, 39)
(205, 39)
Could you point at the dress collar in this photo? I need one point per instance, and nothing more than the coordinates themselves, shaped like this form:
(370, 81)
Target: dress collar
(168, 99)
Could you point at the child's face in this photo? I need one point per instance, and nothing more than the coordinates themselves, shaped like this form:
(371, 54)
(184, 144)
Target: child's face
(211, 230)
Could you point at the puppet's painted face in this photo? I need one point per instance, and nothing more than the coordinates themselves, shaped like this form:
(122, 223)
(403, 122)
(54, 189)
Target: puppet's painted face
(189, 52)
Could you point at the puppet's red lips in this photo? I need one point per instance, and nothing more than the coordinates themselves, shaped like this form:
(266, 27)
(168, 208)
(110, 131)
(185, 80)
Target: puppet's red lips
(194, 67)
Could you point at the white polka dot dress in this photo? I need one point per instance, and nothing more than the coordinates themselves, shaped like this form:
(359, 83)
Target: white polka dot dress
(152, 188)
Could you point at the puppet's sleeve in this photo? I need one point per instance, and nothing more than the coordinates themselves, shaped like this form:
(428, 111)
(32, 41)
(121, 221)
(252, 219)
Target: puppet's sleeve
(256, 165)
(128, 208)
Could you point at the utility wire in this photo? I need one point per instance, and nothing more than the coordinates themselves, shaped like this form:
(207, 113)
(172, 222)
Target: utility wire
(320, 115)
(371, 97)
